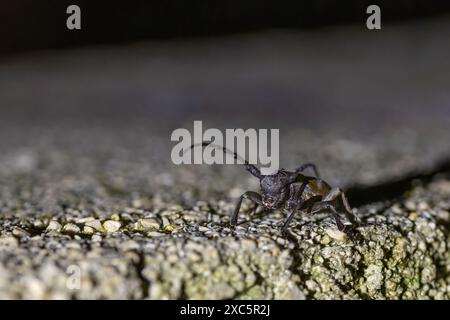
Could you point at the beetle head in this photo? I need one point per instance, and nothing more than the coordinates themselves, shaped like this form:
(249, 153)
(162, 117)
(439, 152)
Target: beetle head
(274, 189)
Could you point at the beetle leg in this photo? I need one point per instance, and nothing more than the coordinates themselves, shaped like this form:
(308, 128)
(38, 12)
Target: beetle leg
(338, 194)
(325, 206)
(348, 210)
(250, 195)
(295, 197)
(306, 166)
(308, 205)
(290, 217)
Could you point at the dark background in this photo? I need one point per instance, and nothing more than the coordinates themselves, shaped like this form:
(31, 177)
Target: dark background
(31, 24)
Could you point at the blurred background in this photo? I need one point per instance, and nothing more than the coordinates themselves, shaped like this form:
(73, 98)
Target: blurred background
(84, 109)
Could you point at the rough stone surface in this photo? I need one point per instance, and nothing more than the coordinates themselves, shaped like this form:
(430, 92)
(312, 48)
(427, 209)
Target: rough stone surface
(401, 253)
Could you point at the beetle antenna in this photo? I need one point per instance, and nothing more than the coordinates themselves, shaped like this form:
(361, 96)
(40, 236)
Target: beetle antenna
(249, 167)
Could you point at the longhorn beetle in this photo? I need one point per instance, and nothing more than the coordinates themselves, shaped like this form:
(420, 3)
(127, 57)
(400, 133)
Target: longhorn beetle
(292, 191)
